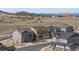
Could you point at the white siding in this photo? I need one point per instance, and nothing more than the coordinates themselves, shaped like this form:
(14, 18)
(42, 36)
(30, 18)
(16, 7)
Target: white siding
(17, 36)
(63, 29)
(59, 40)
(63, 41)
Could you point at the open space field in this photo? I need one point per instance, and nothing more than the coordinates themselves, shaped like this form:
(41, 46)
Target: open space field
(7, 28)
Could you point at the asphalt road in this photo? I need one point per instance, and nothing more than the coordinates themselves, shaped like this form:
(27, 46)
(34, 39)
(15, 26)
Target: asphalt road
(39, 47)
(33, 48)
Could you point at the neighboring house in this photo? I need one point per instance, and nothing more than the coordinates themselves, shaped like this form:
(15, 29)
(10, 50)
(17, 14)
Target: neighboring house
(51, 28)
(65, 28)
(22, 35)
(62, 37)
(67, 38)
(42, 32)
(60, 31)
(74, 38)
(46, 33)
(61, 28)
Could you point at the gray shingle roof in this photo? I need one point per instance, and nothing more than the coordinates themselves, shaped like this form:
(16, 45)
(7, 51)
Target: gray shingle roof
(65, 35)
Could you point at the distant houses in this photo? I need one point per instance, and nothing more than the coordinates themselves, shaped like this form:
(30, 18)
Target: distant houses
(66, 36)
(59, 34)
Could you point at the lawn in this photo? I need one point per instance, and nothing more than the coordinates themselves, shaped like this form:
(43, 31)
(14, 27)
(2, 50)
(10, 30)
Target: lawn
(8, 43)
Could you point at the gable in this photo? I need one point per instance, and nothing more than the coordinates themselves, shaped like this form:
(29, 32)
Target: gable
(16, 32)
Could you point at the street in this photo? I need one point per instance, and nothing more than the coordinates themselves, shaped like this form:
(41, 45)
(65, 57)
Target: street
(39, 47)
(33, 48)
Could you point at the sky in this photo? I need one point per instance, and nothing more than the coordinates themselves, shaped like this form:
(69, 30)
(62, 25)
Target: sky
(42, 10)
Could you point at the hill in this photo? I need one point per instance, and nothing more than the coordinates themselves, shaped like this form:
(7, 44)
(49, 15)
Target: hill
(22, 19)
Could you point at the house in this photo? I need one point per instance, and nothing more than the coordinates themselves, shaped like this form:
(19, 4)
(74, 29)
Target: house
(62, 37)
(46, 33)
(65, 28)
(61, 28)
(42, 32)
(60, 31)
(69, 39)
(74, 38)
(22, 35)
(54, 29)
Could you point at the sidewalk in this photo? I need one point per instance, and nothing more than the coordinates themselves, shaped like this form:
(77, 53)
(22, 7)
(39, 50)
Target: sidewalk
(47, 48)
